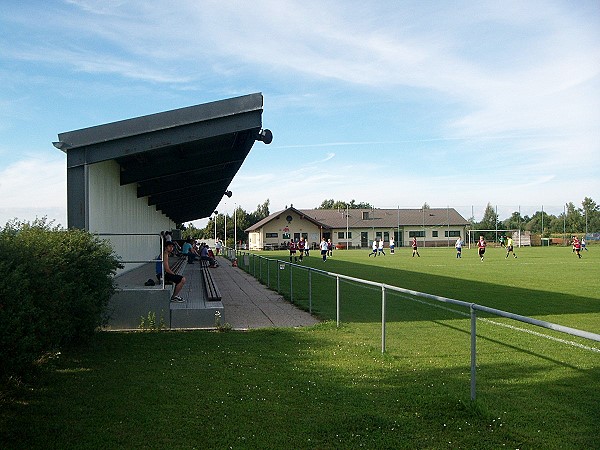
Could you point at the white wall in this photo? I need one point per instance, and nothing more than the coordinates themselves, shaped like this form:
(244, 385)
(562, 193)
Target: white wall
(113, 208)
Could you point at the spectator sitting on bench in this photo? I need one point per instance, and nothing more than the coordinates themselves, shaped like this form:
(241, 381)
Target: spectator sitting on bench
(189, 251)
(205, 256)
(171, 276)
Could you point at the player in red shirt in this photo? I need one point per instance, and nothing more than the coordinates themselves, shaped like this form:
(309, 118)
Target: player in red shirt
(577, 246)
(301, 246)
(292, 247)
(481, 244)
(415, 247)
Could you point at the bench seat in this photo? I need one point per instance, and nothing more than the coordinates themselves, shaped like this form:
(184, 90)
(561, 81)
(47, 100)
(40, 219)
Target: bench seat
(212, 292)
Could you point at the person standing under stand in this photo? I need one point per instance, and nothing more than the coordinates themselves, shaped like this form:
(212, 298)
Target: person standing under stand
(324, 249)
(392, 245)
(415, 247)
(380, 248)
(458, 247)
(292, 246)
(374, 248)
(481, 244)
(509, 247)
(301, 245)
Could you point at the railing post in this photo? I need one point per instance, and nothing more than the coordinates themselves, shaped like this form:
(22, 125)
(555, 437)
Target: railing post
(473, 352)
(309, 291)
(337, 299)
(382, 319)
(291, 284)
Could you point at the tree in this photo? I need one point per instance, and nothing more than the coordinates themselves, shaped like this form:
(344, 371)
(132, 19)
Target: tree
(591, 215)
(514, 222)
(339, 204)
(489, 222)
(262, 210)
(326, 204)
(540, 223)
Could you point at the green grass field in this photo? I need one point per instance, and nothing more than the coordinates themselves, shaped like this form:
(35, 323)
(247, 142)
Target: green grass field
(550, 284)
(329, 387)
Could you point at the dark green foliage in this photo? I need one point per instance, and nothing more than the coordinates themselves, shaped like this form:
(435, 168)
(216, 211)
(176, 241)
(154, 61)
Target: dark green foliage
(54, 290)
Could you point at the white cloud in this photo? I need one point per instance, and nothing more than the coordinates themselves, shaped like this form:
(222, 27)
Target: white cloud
(33, 188)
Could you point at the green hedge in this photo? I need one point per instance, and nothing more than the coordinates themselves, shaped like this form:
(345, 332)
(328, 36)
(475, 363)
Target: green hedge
(54, 290)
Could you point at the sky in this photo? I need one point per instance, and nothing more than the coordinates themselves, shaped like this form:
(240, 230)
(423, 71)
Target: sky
(393, 103)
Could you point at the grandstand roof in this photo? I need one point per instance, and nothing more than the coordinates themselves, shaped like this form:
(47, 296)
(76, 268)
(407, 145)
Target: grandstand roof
(181, 160)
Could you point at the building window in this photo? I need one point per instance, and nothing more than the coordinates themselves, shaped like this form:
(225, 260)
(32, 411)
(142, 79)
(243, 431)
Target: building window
(365, 215)
(271, 235)
(434, 234)
(340, 235)
(349, 234)
(419, 233)
(452, 233)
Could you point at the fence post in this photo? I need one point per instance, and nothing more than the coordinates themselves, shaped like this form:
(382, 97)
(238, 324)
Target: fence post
(278, 270)
(473, 351)
(309, 291)
(260, 260)
(382, 319)
(337, 298)
(291, 284)
(269, 273)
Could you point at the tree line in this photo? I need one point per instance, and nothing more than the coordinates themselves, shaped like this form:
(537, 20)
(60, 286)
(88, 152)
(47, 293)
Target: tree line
(574, 220)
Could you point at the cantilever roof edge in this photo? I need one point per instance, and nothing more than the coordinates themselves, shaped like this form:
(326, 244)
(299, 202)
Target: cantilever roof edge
(160, 121)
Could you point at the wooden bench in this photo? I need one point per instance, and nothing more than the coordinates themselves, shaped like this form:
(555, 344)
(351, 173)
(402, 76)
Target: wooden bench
(212, 292)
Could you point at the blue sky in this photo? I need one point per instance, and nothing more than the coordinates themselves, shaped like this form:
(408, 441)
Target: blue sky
(395, 103)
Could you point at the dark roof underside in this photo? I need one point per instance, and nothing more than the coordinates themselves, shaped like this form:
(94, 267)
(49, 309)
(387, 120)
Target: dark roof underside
(182, 160)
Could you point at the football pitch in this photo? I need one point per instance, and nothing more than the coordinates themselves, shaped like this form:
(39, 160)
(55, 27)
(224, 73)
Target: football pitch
(549, 283)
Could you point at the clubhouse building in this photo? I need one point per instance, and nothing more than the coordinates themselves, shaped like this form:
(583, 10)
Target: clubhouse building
(357, 228)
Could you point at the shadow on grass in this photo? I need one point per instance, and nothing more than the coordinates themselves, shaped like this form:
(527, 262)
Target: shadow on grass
(314, 388)
(361, 303)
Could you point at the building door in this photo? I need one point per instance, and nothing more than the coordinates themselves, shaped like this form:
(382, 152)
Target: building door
(398, 238)
(364, 238)
(296, 237)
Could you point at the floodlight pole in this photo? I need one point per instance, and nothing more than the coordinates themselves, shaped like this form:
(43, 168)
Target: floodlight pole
(235, 228)
(564, 223)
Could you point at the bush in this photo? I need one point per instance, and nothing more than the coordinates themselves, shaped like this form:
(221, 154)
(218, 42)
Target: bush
(54, 290)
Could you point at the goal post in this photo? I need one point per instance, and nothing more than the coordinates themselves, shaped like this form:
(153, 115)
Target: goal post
(515, 234)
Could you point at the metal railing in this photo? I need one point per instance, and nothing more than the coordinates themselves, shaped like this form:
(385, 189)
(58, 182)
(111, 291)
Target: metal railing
(249, 263)
(143, 261)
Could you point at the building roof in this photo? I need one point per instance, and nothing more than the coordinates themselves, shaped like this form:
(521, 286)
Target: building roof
(377, 218)
(276, 215)
(181, 160)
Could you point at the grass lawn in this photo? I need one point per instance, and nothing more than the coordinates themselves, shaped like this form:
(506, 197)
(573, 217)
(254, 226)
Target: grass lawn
(329, 387)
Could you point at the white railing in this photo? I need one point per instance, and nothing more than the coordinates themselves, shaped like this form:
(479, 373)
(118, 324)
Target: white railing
(249, 263)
